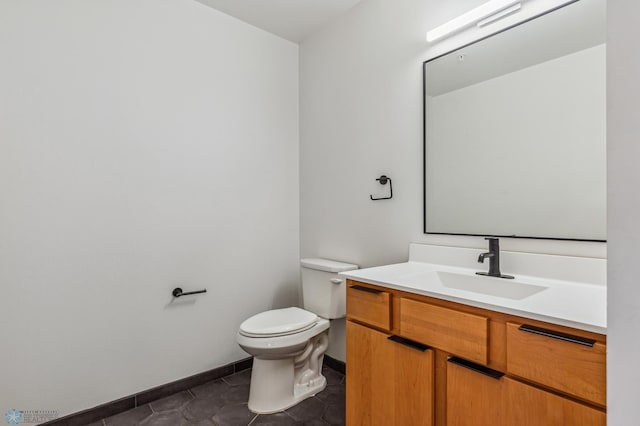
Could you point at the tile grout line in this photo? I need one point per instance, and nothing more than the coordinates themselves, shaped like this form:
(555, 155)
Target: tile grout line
(227, 381)
(254, 419)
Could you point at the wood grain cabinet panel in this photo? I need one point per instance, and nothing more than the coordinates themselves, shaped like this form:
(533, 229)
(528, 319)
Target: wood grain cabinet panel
(570, 364)
(388, 383)
(370, 306)
(526, 405)
(474, 395)
(459, 333)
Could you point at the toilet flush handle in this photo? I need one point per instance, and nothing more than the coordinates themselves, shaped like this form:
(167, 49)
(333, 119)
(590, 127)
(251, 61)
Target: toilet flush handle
(336, 281)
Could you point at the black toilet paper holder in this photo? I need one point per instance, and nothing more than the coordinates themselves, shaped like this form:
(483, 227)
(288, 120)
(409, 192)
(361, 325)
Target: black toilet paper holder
(177, 292)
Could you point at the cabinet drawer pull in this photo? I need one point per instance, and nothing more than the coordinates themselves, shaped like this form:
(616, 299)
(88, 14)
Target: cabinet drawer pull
(409, 343)
(494, 374)
(366, 289)
(557, 335)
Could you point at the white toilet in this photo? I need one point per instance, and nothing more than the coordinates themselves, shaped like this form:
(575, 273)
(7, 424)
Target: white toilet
(288, 345)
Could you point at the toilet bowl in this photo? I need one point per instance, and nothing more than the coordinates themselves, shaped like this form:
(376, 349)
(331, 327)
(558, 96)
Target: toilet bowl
(287, 360)
(288, 345)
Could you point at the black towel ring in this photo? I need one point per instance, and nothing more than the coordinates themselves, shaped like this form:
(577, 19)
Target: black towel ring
(383, 181)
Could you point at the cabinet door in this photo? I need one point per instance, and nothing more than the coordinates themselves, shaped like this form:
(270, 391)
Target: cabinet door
(527, 405)
(389, 379)
(474, 394)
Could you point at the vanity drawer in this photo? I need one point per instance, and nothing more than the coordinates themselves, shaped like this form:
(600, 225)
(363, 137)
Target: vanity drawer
(562, 361)
(459, 333)
(369, 305)
(526, 405)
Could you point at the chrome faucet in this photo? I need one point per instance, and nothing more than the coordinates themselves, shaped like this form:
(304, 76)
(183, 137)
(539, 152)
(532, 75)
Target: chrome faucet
(494, 259)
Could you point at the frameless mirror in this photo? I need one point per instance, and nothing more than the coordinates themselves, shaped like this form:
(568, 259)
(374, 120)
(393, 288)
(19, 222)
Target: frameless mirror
(515, 131)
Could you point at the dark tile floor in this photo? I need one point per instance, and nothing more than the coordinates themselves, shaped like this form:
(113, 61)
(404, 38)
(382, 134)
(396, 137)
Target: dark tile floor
(223, 402)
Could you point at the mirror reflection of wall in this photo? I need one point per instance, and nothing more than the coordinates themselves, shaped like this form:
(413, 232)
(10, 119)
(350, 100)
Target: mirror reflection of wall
(515, 141)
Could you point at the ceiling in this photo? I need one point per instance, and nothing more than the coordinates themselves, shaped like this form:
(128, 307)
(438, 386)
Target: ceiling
(290, 19)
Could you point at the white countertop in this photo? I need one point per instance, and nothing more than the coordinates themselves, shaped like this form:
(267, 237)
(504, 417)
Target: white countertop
(569, 303)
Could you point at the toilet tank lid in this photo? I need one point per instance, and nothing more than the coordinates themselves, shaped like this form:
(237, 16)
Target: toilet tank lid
(327, 265)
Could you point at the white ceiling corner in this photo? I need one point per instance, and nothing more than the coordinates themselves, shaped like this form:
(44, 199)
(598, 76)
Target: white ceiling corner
(293, 20)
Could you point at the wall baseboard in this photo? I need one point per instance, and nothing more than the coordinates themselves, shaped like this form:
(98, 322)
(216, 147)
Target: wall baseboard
(112, 408)
(335, 364)
(127, 403)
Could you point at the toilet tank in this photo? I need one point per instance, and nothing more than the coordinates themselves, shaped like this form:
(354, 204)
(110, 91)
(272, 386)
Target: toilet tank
(323, 291)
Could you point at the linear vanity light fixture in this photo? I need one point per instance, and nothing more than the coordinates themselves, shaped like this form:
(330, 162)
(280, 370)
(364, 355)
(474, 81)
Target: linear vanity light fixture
(497, 16)
(482, 15)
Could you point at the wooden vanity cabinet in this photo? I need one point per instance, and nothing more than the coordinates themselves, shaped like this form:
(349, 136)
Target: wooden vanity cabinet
(416, 360)
(383, 368)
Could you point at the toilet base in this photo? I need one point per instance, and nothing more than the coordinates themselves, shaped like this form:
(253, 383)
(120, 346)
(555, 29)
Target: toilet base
(272, 386)
(278, 384)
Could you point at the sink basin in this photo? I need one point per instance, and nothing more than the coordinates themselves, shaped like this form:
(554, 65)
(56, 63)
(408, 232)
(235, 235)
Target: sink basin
(499, 287)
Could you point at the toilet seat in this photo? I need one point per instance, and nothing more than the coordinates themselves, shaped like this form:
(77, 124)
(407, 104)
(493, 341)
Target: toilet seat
(278, 322)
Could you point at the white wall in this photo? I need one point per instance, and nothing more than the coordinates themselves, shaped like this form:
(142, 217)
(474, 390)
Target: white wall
(144, 144)
(360, 117)
(623, 155)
